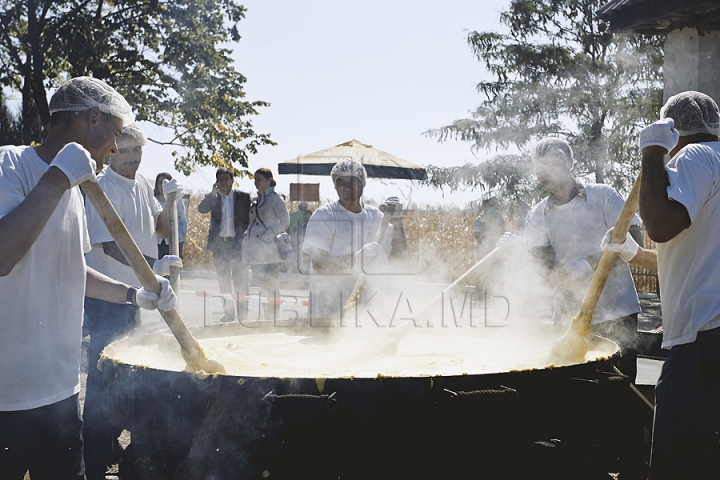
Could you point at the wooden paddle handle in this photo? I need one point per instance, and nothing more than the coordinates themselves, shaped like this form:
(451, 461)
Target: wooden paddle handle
(607, 260)
(139, 265)
(173, 238)
(475, 271)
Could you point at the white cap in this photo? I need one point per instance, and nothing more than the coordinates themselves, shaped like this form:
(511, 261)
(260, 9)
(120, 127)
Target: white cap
(134, 132)
(349, 168)
(693, 113)
(82, 93)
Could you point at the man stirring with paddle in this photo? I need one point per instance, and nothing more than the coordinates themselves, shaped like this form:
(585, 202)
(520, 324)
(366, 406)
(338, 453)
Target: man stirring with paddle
(680, 205)
(340, 241)
(565, 230)
(43, 279)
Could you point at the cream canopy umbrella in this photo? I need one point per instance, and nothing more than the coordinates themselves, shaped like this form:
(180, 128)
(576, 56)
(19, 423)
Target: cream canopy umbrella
(378, 164)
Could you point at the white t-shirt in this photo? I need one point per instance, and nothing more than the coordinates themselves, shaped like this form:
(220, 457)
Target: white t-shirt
(138, 208)
(689, 264)
(41, 300)
(227, 222)
(575, 231)
(339, 232)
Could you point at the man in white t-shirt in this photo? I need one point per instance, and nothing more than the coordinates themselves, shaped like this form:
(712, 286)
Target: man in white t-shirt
(340, 242)
(132, 196)
(43, 278)
(565, 230)
(680, 206)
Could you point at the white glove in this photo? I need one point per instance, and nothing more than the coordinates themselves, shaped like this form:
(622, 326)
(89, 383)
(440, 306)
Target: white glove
(162, 265)
(576, 270)
(508, 240)
(661, 133)
(170, 186)
(75, 162)
(627, 250)
(268, 236)
(368, 250)
(150, 301)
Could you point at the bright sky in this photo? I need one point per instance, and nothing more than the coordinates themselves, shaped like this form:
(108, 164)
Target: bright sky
(382, 72)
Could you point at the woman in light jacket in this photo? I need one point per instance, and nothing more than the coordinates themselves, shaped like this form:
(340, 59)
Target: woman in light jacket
(268, 218)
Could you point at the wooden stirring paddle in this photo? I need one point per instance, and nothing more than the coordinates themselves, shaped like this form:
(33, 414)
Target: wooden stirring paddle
(572, 347)
(191, 350)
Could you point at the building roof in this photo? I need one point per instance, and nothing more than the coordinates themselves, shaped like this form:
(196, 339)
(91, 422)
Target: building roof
(658, 17)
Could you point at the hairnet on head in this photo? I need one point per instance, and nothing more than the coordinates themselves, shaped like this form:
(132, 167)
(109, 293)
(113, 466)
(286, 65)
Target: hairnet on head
(134, 132)
(82, 93)
(349, 168)
(693, 113)
(556, 147)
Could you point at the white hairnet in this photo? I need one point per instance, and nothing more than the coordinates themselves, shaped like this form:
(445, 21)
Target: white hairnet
(349, 168)
(82, 93)
(554, 146)
(134, 132)
(693, 113)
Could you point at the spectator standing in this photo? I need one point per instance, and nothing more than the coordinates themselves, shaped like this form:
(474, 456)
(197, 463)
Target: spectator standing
(229, 215)
(488, 226)
(43, 237)
(340, 239)
(131, 194)
(164, 243)
(398, 252)
(298, 225)
(268, 218)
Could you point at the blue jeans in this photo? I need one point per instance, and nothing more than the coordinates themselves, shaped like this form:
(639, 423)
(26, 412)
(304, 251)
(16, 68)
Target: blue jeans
(46, 440)
(105, 322)
(686, 431)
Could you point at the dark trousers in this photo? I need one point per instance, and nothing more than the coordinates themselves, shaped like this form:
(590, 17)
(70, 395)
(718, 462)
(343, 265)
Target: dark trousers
(164, 249)
(232, 276)
(105, 322)
(686, 431)
(622, 331)
(47, 441)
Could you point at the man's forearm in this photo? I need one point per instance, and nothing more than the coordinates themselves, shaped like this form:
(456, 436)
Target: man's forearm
(104, 288)
(646, 259)
(20, 228)
(162, 224)
(323, 262)
(112, 250)
(663, 218)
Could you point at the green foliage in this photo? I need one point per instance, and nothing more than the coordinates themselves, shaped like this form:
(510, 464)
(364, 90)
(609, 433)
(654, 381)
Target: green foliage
(560, 72)
(168, 58)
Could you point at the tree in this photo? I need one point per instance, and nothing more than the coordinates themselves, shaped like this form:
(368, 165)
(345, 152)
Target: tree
(167, 57)
(559, 71)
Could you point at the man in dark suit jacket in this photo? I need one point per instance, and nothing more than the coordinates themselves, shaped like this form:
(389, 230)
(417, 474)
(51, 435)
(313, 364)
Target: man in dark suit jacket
(225, 240)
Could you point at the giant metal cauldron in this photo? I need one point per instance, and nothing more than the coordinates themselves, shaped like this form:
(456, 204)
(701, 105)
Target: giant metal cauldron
(497, 425)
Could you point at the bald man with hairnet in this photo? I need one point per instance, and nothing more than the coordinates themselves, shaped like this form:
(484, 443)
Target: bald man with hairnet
(680, 205)
(340, 241)
(44, 278)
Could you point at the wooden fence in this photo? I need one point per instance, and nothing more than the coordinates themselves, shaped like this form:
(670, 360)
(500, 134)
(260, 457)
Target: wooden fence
(645, 280)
